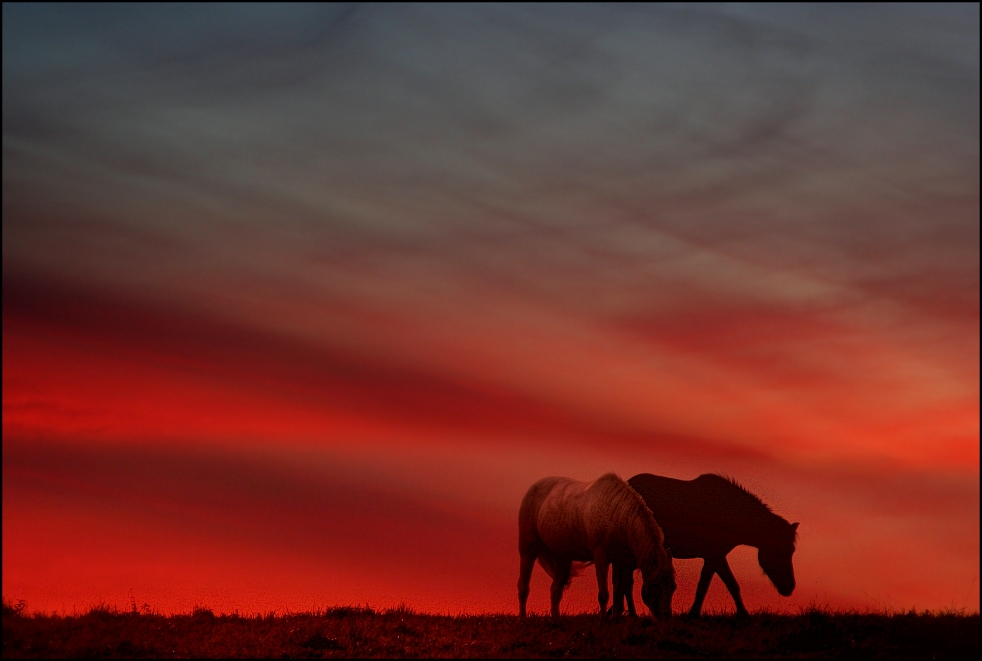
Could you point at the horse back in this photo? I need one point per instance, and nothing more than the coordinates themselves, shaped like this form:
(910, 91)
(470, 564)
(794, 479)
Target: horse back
(562, 520)
(691, 513)
(551, 517)
(528, 512)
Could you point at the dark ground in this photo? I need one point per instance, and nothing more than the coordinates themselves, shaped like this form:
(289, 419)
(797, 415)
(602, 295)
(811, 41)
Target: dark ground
(355, 632)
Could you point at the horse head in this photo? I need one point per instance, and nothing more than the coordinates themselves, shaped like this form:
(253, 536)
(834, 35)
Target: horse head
(775, 559)
(658, 588)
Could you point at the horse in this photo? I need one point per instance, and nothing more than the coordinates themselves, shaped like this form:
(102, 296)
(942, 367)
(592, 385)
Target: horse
(706, 518)
(604, 523)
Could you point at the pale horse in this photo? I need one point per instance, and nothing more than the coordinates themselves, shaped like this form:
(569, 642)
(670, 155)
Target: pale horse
(604, 522)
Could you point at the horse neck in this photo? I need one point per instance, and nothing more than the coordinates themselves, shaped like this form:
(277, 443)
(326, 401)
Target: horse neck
(759, 530)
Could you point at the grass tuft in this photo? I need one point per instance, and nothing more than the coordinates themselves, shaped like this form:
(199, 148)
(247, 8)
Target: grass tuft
(349, 631)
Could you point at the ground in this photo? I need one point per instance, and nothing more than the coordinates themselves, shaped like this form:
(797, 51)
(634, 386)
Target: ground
(358, 632)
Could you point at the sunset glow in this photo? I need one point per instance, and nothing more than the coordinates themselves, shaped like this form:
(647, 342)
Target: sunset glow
(298, 302)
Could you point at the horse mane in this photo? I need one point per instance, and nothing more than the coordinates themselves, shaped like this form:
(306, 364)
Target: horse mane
(628, 497)
(645, 512)
(623, 496)
(748, 498)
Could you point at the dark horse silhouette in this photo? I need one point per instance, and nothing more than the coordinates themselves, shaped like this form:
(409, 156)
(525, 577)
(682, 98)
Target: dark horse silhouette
(706, 518)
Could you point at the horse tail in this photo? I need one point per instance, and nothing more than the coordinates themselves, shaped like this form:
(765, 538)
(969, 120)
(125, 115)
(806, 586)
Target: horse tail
(548, 563)
(578, 568)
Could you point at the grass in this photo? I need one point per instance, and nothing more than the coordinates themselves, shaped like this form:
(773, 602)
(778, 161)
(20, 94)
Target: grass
(362, 632)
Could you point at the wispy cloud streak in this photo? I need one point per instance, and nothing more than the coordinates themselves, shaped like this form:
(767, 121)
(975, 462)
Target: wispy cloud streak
(734, 238)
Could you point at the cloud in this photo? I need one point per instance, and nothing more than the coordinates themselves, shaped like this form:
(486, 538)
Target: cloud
(715, 237)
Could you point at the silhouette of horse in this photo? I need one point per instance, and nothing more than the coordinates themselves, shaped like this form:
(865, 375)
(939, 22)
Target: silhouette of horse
(604, 522)
(706, 518)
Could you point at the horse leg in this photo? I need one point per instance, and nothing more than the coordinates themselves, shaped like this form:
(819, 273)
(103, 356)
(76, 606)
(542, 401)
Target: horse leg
(602, 565)
(623, 589)
(627, 585)
(524, 575)
(617, 606)
(708, 569)
(559, 581)
(723, 569)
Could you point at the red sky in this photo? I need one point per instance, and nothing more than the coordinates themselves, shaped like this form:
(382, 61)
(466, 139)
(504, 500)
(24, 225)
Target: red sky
(293, 320)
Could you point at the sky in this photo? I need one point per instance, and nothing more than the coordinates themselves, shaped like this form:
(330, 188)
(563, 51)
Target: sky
(298, 301)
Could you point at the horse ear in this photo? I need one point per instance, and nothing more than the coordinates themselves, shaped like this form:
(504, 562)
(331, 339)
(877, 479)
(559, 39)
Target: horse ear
(668, 552)
(794, 526)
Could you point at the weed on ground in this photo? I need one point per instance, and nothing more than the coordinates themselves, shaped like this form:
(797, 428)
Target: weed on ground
(362, 632)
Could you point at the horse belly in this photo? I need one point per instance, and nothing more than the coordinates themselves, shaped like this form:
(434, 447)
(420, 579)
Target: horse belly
(621, 555)
(683, 552)
(569, 546)
(563, 539)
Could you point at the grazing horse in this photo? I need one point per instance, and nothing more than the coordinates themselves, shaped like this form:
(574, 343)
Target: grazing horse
(706, 518)
(604, 522)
